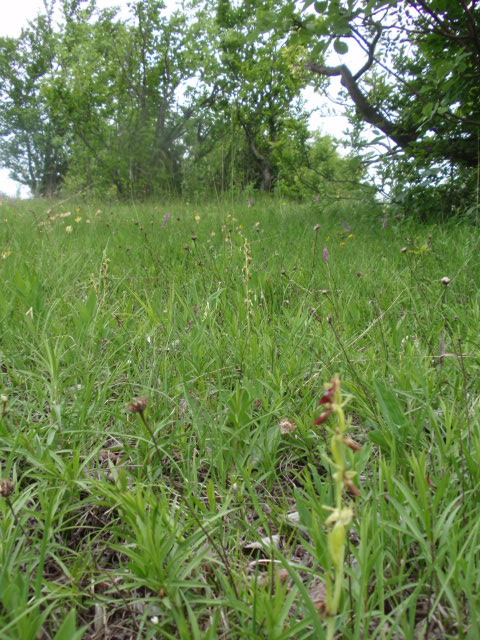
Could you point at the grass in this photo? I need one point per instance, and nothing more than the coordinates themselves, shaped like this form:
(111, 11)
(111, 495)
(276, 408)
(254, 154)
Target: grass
(229, 323)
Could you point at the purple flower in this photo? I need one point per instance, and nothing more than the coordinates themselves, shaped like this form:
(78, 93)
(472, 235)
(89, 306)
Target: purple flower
(166, 218)
(325, 254)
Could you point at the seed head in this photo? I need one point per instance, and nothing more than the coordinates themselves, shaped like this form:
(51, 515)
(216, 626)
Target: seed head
(138, 405)
(6, 487)
(286, 425)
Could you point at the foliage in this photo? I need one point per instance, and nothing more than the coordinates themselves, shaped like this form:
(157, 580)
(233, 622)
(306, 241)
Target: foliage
(160, 103)
(411, 73)
(34, 142)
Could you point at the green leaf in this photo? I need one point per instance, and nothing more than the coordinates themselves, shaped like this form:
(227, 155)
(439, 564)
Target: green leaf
(68, 629)
(340, 46)
(391, 410)
(321, 7)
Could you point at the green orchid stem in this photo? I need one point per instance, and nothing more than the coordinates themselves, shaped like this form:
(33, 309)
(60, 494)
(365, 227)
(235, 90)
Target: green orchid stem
(337, 444)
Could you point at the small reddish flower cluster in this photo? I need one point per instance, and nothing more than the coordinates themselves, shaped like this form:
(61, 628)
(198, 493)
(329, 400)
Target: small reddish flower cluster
(327, 400)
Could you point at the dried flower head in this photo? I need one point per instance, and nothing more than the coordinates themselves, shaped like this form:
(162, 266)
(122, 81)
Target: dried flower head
(6, 487)
(286, 425)
(316, 227)
(138, 405)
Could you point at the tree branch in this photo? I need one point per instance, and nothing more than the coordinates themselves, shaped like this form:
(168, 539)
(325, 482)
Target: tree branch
(367, 111)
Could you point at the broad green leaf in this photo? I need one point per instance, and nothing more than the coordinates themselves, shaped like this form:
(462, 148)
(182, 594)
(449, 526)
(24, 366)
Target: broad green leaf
(340, 46)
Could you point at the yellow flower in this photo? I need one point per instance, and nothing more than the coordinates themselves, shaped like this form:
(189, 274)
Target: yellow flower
(342, 244)
(283, 202)
(350, 235)
(78, 218)
(68, 228)
(6, 253)
(87, 220)
(197, 218)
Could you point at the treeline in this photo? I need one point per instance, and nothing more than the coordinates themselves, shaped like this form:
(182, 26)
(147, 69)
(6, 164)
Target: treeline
(161, 103)
(208, 99)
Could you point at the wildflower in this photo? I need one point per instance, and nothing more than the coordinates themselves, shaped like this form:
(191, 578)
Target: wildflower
(6, 253)
(351, 443)
(445, 280)
(66, 214)
(283, 202)
(316, 227)
(165, 220)
(138, 405)
(197, 217)
(327, 399)
(403, 250)
(342, 244)
(350, 235)
(78, 218)
(68, 228)
(325, 254)
(340, 516)
(87, 220)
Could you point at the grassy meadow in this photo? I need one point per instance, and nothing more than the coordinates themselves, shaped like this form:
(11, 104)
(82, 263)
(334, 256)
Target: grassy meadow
(160, 372)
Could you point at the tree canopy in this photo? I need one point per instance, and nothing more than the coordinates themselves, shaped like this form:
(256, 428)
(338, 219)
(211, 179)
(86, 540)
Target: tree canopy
(210, 97)
(414, 76)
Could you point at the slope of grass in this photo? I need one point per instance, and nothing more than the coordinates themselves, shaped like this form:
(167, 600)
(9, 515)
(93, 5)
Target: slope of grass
(206, 520)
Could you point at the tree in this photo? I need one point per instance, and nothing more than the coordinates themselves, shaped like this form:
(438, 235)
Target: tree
(417, 82)
(259, 83)
(34, 143)
(124, 89)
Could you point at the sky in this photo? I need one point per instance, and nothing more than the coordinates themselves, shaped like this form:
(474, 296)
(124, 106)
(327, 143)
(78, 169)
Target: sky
(15, 15)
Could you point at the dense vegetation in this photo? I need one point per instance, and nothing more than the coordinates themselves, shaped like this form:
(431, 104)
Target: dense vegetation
(239, 389)
(206, 519)
(208, 99)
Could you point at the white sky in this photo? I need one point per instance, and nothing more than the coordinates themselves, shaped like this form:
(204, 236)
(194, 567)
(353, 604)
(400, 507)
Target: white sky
(14, 14)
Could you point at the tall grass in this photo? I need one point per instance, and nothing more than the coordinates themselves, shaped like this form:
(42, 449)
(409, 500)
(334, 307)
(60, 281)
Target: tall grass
(207, 519)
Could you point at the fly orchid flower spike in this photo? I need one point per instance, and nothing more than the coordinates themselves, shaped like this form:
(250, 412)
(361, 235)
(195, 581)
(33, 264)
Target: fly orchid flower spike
(328, 399)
